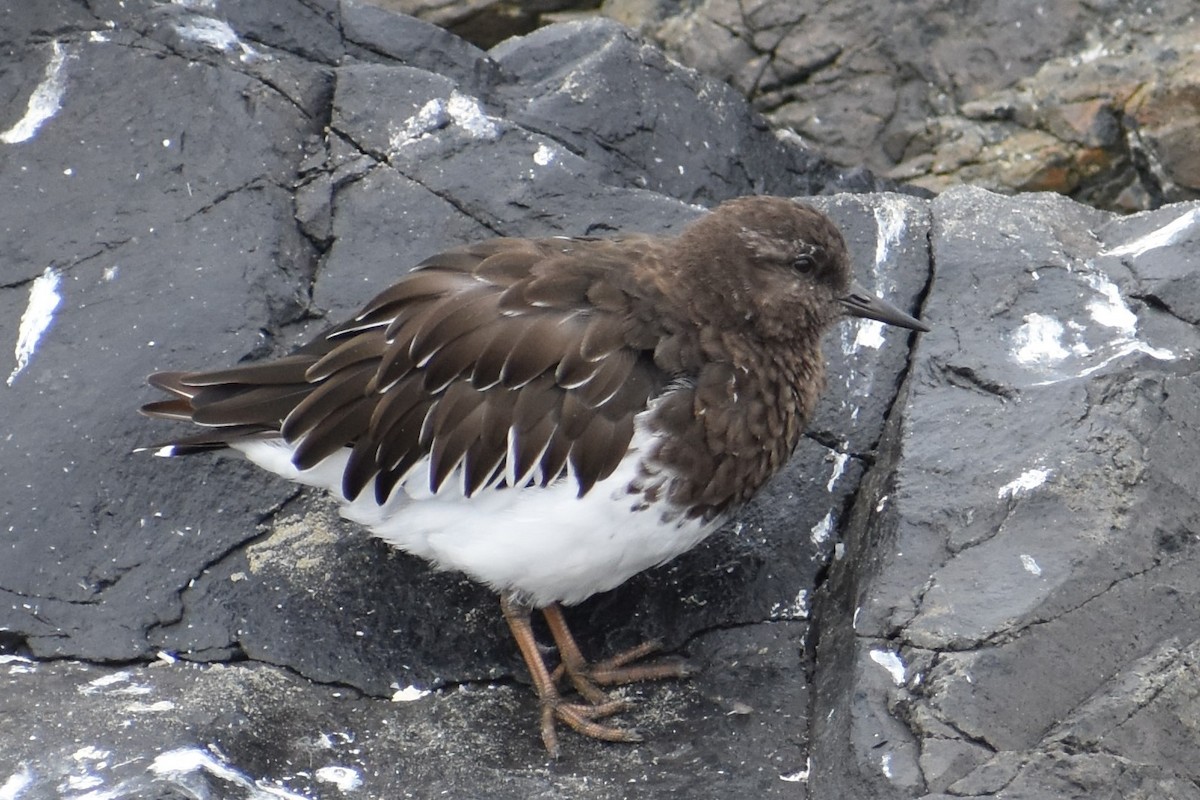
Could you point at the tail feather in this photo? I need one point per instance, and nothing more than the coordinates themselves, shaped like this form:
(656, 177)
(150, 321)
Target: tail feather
(178, 409)
(267, 406)
(237, 404)
(208, 441)
(289, 369)
(172, 382)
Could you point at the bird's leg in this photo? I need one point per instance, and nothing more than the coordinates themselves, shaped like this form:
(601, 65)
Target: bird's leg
(614, 671)
(580, 717)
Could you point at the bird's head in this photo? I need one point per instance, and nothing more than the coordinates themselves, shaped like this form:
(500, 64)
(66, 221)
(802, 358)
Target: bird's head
(782, 267)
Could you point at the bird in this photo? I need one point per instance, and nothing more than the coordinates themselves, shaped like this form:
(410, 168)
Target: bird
(551, 416)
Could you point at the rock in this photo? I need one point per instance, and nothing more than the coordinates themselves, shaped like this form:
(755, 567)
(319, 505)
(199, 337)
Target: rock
(976, 577)
(899, 88)
(489, 22)
(1113, 126)
(1027, 587)
(1094, 101)
(201, 188)
(1164, 117)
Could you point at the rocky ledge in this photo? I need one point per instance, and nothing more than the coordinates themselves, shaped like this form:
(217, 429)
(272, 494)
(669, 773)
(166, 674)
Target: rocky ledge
(977, 577)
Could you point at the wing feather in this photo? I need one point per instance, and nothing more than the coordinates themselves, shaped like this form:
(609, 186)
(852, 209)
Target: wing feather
(325, 398)
(505, 362)
(353, 350)
(289, 369)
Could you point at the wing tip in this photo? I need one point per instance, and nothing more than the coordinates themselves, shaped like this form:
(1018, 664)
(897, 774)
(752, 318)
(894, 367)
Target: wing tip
(158, 450)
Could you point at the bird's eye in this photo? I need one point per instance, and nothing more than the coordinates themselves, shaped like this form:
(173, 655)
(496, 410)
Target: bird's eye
(803, 263)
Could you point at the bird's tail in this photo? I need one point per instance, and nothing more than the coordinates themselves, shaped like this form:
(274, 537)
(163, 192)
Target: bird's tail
(232, 405)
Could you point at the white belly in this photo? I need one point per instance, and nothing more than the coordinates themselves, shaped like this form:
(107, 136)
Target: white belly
(546, 544)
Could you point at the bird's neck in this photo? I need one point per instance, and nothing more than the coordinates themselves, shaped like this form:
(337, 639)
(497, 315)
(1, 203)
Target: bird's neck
(722, 434)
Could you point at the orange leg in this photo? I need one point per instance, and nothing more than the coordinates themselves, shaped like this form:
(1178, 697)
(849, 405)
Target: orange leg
(580, 717)
(614, 671)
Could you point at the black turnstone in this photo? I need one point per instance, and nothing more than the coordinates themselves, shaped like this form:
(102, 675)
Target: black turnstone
(552, 416)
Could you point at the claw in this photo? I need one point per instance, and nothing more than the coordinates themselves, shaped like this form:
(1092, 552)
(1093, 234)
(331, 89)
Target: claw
(584, 677)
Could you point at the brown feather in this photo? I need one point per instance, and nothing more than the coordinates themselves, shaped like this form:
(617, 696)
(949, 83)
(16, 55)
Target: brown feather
(450, 446)
(394, 404)
(178, 408)
(451, 408)
(463, 258)
(388, 478)
(171, 382)
(215, 439)
(642, 383)
(482, 467)
(417, 285)
(605, 334)
(489, 362)
(332, 433)
(399, 332)
(367, 345)
(467, 312)
(537, 400)
(338, 391)
(361, 467)
(556, 285)
(398, 445)
(245, 404)
(289, 369)
(597, 452)
(611, 374)
(575, 415)
(395, 365)
(456, 359)
(535, 350)
(574, 370)
(529, 445)
(607, 296)
(508, 266)
(487, 454)
(554, 460)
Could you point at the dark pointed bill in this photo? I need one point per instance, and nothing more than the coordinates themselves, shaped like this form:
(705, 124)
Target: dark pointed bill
(861, 303)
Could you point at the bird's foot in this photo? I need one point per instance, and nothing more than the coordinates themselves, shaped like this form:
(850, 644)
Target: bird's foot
(618, 670)
(582, 718)
(585, 677)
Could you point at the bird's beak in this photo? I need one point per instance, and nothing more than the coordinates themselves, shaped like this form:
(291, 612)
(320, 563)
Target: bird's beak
(861, 303)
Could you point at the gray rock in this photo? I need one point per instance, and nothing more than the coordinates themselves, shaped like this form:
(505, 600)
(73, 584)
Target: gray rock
(488, 22)
(201, 189)
(1093, 100)
(1029, 582)
(1111, 125)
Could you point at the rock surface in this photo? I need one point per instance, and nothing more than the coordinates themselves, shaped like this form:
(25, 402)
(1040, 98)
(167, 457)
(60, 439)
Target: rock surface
(489, 22)
(198, 189)
(1114, 126)
(991, 525)
(1093, 100)
(1019, 621)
